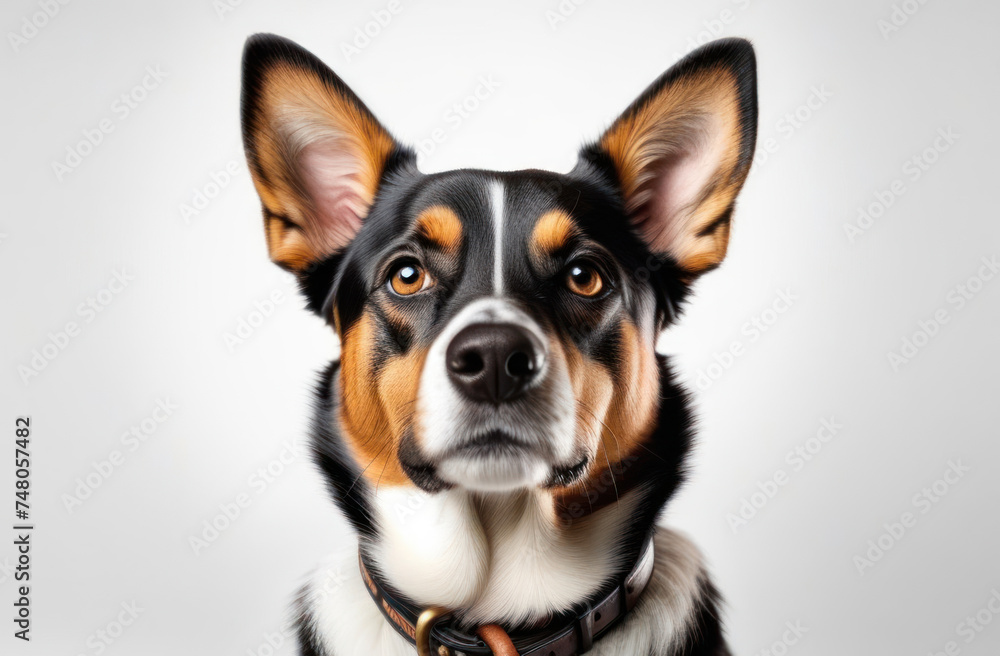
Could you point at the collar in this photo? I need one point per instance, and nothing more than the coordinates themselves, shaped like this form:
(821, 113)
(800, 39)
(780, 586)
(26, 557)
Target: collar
(567, 634)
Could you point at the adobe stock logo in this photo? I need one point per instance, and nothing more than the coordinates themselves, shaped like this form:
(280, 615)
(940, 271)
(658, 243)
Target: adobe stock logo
(562, 12)
(103, 469)
(923, 502)
(790, 124)
(101, 640)
(248, 324)
(753, 330)
(259, 481)
(913, 169)
(272, 641)
(365, 34)
(122, 107)
(32, 25)
(791, 637)
(972, 626)
(796, 459)
(202, 196)
(900, 15)
(59, 340)
(458, 113)
(957, 298)
(224, 7)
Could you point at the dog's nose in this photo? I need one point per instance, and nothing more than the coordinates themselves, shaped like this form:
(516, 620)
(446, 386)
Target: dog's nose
(494, 362)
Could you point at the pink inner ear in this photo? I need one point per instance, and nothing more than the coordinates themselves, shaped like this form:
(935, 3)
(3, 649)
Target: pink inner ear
(332, 175)
(676, 184)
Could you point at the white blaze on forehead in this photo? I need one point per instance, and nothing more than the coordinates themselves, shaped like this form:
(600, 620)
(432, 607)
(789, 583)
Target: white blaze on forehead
(497, 210)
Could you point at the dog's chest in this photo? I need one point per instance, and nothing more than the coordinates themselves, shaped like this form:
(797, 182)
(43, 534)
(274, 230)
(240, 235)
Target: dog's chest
(502, 559)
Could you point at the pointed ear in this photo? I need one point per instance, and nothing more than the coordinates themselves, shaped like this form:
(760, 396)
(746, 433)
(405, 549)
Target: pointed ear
(682, 150)
(315, 152)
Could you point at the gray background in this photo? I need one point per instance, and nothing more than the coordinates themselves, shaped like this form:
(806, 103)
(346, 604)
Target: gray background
(885, 96)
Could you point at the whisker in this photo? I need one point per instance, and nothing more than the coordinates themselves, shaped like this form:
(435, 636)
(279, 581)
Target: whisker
(612, 470)
(586, 491)
(618, 447)
(380, 451)
(380, 476)
(605, 448)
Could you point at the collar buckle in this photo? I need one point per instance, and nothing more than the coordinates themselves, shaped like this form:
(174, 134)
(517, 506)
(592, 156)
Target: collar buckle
(425, 624)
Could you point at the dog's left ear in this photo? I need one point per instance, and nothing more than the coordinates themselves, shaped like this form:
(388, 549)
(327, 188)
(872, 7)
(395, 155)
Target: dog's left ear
(316, 154)
(682, 150)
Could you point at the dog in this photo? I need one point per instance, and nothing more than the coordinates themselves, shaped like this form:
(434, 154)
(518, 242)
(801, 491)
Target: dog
(499, 429)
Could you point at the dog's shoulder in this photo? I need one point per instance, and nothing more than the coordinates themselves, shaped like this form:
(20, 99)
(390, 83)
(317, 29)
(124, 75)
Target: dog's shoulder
(336, 617)
(679, 611)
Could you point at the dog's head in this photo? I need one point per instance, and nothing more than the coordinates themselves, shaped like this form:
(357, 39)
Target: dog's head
(497, 329)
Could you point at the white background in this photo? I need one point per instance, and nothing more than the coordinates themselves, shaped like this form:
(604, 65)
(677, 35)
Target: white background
(560, 83)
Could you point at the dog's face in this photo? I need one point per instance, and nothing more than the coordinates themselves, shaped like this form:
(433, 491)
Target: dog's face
(497, 329)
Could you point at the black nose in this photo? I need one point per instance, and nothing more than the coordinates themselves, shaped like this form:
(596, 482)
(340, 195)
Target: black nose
(494, 362)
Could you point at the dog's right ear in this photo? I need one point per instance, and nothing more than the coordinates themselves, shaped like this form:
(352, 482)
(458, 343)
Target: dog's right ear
(682, 151)
(316, 154)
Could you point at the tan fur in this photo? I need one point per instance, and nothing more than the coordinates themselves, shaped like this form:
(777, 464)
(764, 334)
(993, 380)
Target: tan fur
(551, 233)
(593, 389)
(622, 409)
(633, 409)
(441, 225)
(376, 410)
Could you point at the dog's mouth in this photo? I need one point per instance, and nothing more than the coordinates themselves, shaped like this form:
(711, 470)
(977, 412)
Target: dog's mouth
(495, 460)
(492, 459)
(498, 460)
(493, 444)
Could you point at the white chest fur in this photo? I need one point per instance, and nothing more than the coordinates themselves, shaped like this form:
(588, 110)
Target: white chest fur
(504, 558)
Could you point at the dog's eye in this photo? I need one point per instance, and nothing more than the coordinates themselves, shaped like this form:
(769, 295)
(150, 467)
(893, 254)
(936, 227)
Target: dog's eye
(408, 279)
(584, 280)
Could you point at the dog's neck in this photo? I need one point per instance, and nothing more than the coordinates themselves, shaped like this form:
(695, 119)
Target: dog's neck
(503, 558)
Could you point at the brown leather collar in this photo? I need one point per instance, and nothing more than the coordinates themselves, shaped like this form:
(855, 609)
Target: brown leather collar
(566, 635)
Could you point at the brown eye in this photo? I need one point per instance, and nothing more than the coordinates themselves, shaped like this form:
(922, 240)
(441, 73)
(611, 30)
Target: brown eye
(584, 280)
(408, 279)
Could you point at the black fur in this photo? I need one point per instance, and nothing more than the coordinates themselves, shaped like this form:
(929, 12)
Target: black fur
(705, 633)
(309, 643)
(343, 478)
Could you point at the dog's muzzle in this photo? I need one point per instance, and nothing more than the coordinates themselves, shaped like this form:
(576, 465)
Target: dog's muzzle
(495, 409)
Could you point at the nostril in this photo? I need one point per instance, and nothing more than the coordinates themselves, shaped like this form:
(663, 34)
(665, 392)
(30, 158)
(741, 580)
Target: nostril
(493, 362)
(520, 365)
(467, 362)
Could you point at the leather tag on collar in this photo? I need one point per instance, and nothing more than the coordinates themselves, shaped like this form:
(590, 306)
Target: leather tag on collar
(497, 640)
